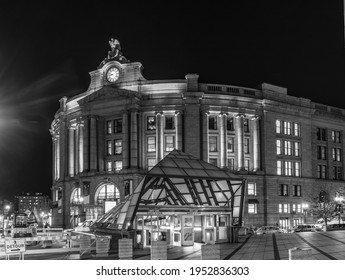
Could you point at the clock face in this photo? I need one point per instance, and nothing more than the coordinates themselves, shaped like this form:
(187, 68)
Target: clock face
(113, 74)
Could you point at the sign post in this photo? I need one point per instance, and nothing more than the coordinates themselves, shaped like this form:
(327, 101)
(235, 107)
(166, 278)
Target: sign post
(15, 246)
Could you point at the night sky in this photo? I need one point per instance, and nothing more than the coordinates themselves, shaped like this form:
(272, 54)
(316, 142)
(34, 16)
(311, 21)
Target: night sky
(48, 48)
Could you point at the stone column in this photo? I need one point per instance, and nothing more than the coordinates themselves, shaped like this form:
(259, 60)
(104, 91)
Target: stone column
(178, 125)
(256, 143)
(93, 143)
(223, 136)
(57, 157)
(240, 141)
(134, 139)
(62, 149)
(81, 146)
(159, 135)
(71, 130)
(100, 143)
(205, 134)
(125, 141)
(54, 157)
(76, 148)
(86, 145)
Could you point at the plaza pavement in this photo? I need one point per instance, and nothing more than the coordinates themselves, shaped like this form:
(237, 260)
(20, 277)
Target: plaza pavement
(324, 245)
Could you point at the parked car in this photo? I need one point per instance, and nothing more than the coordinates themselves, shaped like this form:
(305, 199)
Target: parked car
(268, 229)
(84, 226)
(304, 228)
(320, 223)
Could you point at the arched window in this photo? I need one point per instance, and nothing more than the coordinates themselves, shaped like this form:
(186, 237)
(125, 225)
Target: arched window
(76, 197)
(107, 192)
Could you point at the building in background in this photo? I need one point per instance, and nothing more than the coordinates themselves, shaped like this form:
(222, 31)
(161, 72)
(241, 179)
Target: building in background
(107, 138)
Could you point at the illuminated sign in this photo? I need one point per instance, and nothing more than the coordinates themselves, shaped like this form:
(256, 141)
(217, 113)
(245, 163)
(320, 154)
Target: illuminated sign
(14, 246)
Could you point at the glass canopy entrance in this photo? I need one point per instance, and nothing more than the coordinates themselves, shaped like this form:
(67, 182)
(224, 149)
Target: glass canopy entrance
(181, 200)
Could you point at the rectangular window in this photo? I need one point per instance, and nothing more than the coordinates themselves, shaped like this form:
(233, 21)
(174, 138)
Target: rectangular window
(297, 169)
(336, 136)
(231, 144)
(279, 167)
(213, 144)
(169, 143)
(321, 152)
(337, 173)
(279, 146)
(251, 188)
(287, 128)
(336, 153)
(151, 162)
(288, 148)
(321, 171)
(230, 124)
(118, 165)
(297, 150)
(151, 143)
(297, 190)
(284, 208)
(109, 127)
(321, 134)
(231, 163)
(278, 126)
(118, 146)
(283, 190)
(212, 123)
(252, 208)
(109, 166)
(246, 164)
(169, 122)
(288, 168)
(246, 145)
(151, 123)
(109, 147)
(296, 129)
(213, 161)
(246, 125)
(118, 126)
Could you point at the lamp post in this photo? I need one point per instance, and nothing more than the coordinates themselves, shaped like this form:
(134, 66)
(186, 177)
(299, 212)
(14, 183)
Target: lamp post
(339, 199)
(6, 209)
(305, 207)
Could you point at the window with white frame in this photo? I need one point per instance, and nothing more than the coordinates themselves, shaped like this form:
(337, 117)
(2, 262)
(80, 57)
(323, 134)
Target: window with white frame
(251, 188)
(279, 167)
(252, 208)
(109, 127)
(336, 154)
(297, 208)
(118, 165)
(212, 123)
(288, 168)
(279, 126)
(279, 146)
(288, 148)
(213, 144)
(109, 166)
(109, 147)
(287, 128)
(297, 129)
(169, 122)
(336, 136)
(118, 146)
(297, 150)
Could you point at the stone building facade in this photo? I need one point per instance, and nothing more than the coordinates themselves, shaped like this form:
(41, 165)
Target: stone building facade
(106, 138)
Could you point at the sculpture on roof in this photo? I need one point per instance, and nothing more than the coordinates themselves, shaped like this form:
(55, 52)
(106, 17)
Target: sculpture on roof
(114, 53)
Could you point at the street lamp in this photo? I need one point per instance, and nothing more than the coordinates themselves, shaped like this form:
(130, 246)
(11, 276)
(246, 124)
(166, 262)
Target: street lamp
(339, 199)
(7, 208)
(305, 207)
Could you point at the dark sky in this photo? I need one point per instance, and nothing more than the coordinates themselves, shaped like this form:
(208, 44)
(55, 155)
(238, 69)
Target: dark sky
(48, 48)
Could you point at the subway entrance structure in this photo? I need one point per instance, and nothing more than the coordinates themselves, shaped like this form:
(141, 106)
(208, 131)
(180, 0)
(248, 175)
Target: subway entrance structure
(181, 200)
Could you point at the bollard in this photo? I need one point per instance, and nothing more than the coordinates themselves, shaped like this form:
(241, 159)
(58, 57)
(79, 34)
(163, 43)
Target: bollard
(102, 246)
(159, 250)
(84, 247)
(210, 252)
(300, 254)
(125, 249)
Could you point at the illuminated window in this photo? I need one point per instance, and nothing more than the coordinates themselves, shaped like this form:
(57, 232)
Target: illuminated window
(151, 143)
(297, 150)
(118, 165)
(109, 166)
(284, 208)
(336, 154)
(109, 147)
(251, 188)
(151, 162)
(279, 146)
(288, 168)
(287, 148)
(278, 126)
(252, 208)
(118, 146)
(336, 136)
(109, 127)
(169, 143)
(151, 123)
(279, 167)
(287, 128)
(107, 192)
(297, 129)
(246, 164)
